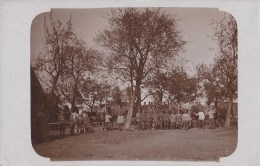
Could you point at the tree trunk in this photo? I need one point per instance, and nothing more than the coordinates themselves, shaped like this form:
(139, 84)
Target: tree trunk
(52, 92)
(161, 96)
(130, 112)
(138, 94)
(227, 122)
(73, 102)
(216, 103)
(74, 93)
(73, 99)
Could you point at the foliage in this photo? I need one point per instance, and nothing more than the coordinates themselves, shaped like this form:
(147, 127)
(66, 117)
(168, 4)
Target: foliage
(94, 93)
(225, 65)
(117, 95)
(81, 63)
(182, 88)
(211, 87)
(157, 85)
(139, 41)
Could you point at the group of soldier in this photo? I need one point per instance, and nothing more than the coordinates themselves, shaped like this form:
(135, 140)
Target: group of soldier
(77, 123)
(151, 118)
(83, 123)
(175, 118)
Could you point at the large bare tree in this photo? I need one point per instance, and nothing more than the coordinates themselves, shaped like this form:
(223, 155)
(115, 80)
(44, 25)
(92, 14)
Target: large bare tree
(138, 41)
(50, 64)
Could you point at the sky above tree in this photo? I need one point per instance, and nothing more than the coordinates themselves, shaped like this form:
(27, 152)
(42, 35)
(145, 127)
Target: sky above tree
(194, 23)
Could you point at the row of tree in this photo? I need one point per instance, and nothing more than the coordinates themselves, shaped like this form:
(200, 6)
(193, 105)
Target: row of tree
(219, 80)
(141, 48)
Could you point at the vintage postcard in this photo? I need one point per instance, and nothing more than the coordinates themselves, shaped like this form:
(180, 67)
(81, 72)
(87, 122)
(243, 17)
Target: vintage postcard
(133, 84)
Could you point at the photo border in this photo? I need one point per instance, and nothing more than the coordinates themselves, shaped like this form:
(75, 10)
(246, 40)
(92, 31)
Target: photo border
(16, 18)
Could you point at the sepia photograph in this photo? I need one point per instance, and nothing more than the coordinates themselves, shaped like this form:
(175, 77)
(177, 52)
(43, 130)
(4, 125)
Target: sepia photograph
(153, 84)
(134, 84)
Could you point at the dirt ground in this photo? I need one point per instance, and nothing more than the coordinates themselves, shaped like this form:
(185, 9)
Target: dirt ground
(193, 144)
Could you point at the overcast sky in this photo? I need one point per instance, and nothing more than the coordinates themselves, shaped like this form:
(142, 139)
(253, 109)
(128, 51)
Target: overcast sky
(194, 24)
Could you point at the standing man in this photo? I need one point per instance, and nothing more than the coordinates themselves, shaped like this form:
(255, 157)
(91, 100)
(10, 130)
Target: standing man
(86, 122)
(149, 119)
(138, 119)
(201, 118)
(120, 121)
(62, 123)
(173, 119)
(107, 121)
(113, 118)
(185, 119)
(161, 119)
(189, 119)
(75, 118)
(178, 119)
(66, 112)
(143, 119)
(211, 113)
(166, 119)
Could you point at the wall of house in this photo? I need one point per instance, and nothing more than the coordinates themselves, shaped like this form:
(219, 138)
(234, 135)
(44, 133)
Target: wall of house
(39, 111)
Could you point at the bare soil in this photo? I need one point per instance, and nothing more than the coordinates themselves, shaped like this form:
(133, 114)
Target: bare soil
(193, 145)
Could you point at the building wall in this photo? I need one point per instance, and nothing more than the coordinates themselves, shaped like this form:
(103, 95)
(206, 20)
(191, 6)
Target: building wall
(39, 111)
